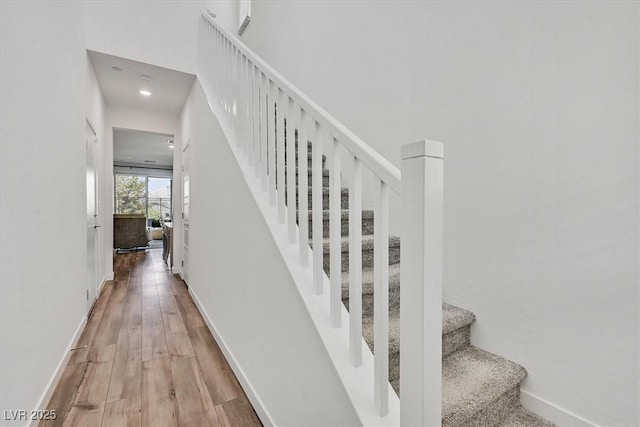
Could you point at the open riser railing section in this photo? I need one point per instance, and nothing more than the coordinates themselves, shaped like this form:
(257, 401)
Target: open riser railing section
(274, 124)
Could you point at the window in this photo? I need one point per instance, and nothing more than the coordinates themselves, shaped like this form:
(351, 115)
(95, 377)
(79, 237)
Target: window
(159, 198)
(143, 195)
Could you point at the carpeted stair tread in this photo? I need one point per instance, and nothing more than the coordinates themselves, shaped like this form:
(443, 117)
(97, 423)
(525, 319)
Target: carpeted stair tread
(367, 222)
(453, 318)
(367, 243)
(325, 177)
(472, 381)
(522, 417)
(367, 280)
(344, 197)
(367, 214)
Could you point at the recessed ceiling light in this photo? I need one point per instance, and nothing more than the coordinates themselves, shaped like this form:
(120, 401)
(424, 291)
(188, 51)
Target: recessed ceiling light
(145, 78)
(169, 141)
(116, 68)
(171, 146)
(145, 92)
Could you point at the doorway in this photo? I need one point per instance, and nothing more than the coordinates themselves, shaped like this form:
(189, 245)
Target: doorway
(92, 217)
(142, 188)
(186, 203)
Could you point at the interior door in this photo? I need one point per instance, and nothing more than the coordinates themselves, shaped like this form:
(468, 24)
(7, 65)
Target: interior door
(186, 204)
(92, 218)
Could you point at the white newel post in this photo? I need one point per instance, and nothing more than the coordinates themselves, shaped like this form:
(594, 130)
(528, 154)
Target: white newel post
(421, 290)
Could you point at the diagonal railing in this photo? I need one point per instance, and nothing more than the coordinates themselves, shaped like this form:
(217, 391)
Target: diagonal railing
(272, 122)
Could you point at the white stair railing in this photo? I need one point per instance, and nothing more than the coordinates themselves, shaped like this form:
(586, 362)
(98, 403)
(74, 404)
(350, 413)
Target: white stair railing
(262, 110)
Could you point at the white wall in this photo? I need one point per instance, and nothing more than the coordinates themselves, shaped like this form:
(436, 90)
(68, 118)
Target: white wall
(42, 178)
(238, 275)
(96, 115)
(537, 104)
(163, 33)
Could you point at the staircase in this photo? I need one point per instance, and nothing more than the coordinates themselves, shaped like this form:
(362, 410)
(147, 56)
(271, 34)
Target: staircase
(254, 103)
(478, 387)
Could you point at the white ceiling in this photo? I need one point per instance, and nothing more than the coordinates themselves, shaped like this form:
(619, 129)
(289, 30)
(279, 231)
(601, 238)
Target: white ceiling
(120, 89)
(169, 88)
(133, 147)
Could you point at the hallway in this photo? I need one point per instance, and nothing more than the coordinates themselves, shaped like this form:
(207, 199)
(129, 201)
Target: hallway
(150, 359)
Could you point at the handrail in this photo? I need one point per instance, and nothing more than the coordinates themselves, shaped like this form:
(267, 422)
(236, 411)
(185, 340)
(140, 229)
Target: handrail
(274, 125)
(379, 165)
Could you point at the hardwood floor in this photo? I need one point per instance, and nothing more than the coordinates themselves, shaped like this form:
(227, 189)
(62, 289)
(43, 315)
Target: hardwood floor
(150, 359)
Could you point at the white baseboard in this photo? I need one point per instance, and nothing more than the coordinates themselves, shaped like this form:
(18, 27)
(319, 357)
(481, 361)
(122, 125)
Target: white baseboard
(102, 283)
(552, 412)
(109, 276)
(253, 397)
(55, 379)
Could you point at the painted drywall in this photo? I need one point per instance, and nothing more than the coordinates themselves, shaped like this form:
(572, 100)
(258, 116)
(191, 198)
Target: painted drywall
(238, 275)
(42, 180)
(96, 115)
(134, 119)
(537, 105)
(159, 33)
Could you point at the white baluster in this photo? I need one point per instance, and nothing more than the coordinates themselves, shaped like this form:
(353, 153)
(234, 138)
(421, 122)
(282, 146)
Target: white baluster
(271, 125)
(355, 264)
(421, 290)
(303, 188)
(235, 98)
(241, 133)
(381, 300)
(281, 111)
(255, 109)
(220, 70)
(225, 78)
(316, 206)
(335, 236)
(229, 73)
(292, 115)
(246, 122)
(230, 84)
(264, 87)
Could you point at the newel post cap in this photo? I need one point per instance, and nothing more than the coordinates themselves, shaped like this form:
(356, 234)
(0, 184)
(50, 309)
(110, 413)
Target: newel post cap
(423, 148)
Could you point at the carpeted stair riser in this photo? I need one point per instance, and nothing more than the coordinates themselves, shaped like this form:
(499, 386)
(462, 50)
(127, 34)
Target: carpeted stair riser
(344, 198)
(456, 340)
(367, 252)
(325, 178)
(479, 388)
(491, 415)
(367, 289)
(494, 413)
(367, 223)
(456, 332)
(309, 160)
(521, 417)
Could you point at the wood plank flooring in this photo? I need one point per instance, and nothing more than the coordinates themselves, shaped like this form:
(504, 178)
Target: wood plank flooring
(150, 359)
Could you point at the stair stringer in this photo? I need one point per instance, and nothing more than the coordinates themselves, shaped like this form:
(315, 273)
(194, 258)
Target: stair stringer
(357, 382)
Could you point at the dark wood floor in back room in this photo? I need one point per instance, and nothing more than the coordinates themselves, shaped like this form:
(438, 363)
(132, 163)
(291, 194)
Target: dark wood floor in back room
(150, 360)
